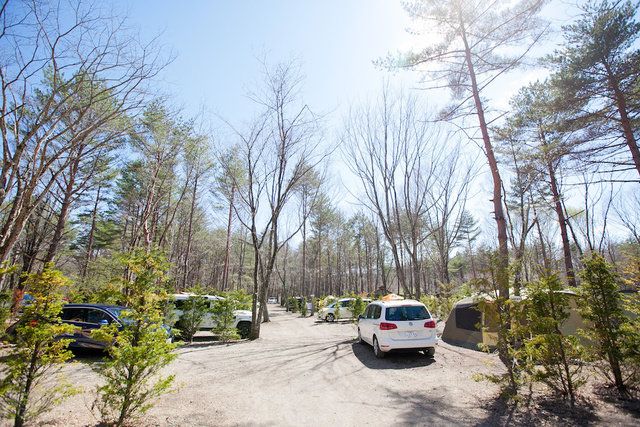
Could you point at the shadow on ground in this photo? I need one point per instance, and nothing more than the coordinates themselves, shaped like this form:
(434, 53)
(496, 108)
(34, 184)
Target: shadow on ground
(537, 411)
(428, 408)
(395, 360)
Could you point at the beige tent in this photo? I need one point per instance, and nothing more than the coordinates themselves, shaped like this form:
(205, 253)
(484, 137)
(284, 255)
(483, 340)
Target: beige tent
(473, 322)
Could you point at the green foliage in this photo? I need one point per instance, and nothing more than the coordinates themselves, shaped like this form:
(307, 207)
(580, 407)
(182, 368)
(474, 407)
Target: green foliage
(612, 336)
(303, 307)
(241, 299)
(552, 358)
(336, 310)
(292, 304)
(38, 352)
(194, 310)
(357, 306)
(222, 311)
(141, 348)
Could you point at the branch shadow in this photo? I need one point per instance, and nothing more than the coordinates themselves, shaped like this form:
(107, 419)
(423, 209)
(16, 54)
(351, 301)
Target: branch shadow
(394, 360)
(532, 410)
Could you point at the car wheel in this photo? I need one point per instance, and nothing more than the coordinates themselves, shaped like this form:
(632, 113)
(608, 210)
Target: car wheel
(330, 317)
(376, 349)
(429, 352)
(244, 329)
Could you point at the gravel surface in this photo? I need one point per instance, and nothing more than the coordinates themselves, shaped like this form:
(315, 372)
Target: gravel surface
(304, 372)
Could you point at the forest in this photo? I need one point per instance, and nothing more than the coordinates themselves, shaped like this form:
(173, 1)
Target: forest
(94, 166)
(108, 188)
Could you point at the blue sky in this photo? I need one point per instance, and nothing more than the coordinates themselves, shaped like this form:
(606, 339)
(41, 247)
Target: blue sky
(217, 44)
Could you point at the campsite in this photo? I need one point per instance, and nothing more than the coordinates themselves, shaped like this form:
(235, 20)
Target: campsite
(336, 212)
(311, 370)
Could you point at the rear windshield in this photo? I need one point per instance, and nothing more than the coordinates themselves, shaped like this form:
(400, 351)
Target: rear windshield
(407, 312)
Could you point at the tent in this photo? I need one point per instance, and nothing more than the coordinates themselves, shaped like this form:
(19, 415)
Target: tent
(473, 322)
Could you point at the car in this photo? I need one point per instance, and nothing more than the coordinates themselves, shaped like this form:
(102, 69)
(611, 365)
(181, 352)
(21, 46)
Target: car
(89, 317)
(241, 318)
(398, 325)
(272, 300)
(328, 313)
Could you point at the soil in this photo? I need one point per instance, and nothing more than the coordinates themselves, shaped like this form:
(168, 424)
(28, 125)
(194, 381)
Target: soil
(305, 372)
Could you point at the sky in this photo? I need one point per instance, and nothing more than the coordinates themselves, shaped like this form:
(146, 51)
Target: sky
(218, 44)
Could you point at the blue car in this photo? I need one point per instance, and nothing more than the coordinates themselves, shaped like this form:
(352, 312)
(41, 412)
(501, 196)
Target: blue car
(88, 317)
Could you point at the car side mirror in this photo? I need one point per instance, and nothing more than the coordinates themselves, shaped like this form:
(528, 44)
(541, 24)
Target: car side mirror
(104, 322)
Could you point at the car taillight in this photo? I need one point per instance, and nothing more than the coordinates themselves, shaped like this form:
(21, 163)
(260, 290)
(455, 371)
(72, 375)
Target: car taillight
(384, 326)
(430, 324)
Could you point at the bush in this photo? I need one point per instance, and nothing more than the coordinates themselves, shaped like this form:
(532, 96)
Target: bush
(241, 299)
(357, 306)
(38, 352)
(613, 336)
(194, 310)
(222, 311)
(292, 304)
(553, 359)
(140, 349)
(303, 307)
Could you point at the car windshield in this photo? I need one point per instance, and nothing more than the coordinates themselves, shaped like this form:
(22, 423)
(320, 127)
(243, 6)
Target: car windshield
(117, 312)
(407, 312)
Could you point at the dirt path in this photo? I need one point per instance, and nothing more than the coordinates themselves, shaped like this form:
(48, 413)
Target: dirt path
(303, 372)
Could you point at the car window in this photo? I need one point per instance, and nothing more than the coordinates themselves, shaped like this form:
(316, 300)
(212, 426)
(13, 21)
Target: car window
(345, 303)
(179, 303)
(74, 314)
(407, 312)
(331, 305)
(377, 310)
(96, 316)
(367, 312)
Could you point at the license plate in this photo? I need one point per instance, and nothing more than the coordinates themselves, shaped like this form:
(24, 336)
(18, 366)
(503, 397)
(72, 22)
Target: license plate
(411, 334)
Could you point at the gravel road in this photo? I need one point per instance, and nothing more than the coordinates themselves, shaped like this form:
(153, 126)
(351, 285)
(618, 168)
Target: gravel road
(306, 373)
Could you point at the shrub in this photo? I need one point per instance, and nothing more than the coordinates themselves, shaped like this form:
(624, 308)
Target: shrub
(241, 299)
(38, 352)
(357, 306)
(194, 310)
(292, 304)
(140, 349)
(554, 359)
(612, 335)
(222, 311)
(303, 307)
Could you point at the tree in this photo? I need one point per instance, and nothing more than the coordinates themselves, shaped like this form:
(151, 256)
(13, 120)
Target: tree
(58, 64)
(395, 151)
(474, 41)
(598, 73)
(555, 359)
(601, 304)
(39, 352)
(278, 151)
(141, 348)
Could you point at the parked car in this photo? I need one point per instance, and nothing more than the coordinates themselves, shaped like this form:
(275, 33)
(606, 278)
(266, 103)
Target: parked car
(88, 317)
(328, 313)
(241, 318)
(397, 325)
(272, 300)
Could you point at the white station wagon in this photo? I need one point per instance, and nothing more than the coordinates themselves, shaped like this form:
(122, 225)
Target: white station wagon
(241, 318)
(398, 325)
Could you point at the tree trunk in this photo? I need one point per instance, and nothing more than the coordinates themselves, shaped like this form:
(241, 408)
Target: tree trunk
(501, 223)
(225, 273)
(187, 254)
(92, 231)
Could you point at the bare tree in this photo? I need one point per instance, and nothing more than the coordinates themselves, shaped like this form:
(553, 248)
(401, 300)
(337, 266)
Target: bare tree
(394, 151)
(53, 74)
(277, 151)
(473, 44)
